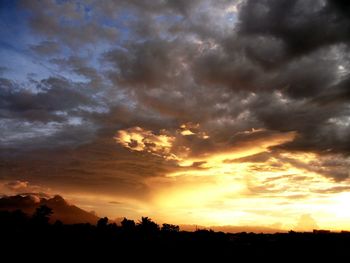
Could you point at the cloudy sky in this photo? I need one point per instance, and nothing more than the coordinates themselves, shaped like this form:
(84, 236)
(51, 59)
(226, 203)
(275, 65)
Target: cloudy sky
(209, 112)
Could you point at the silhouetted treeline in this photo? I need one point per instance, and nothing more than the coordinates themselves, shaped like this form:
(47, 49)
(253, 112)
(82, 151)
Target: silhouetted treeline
(33, 237)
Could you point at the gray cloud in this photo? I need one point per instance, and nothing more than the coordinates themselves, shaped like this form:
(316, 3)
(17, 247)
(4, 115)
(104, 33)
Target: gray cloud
(100, 167)
(52, 95)
(46, 48)
(253, 60)
(54, 114)
(336, 167)
(303, 26)
(332, 190)
(68, 22)
(255, 158)
(81, 67)
(281, 66)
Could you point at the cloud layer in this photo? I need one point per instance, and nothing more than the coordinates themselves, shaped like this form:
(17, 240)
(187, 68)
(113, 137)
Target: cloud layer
(106, 94)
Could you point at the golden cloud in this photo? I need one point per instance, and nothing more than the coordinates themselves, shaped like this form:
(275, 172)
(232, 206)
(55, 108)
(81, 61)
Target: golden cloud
(139, 139)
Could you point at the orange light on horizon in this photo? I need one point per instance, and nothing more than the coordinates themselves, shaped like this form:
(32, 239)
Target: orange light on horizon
(216, 188)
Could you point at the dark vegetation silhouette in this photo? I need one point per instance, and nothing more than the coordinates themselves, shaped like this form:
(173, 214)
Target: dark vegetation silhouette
(29, 202)
(102, 222)
(170, 228)
(25, 236)
(42, 215)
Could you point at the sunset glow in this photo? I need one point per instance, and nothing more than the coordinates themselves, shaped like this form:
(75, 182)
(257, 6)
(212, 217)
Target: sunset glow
(209, 113)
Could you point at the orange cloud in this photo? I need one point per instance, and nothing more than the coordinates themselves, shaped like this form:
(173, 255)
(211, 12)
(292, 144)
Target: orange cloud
(17, 185)
(139, 139)
(239, 182)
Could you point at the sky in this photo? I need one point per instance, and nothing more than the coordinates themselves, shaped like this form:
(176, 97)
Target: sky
(189, 112)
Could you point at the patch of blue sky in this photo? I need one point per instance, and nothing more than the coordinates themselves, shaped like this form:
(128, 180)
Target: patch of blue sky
(14, 27)
(232, 17)
(15, 43)
(169, 18)
(19, 64)
(121, 22)
(26, 67)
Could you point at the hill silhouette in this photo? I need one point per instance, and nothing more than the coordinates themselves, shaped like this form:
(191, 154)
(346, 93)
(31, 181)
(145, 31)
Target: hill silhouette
(35, 238)
(62, 210)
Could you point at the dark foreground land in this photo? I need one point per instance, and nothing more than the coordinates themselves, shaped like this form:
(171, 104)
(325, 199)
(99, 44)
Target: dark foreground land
(28, 238)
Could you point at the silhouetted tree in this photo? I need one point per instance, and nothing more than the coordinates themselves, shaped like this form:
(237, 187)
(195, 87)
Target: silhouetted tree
(15, 218)
(128, 225)
(58, 223)
(102, 222)
(19, 233)
(147, 226)
(42, 214)
(170, 228)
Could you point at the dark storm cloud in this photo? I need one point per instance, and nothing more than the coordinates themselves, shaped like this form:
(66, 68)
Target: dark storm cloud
(338, 94)
(303, 26)
(54, 113)
(100, 167)
(263, 60)
(320, 128)
(330, 166)
(293, 56)
(110, 8)
(53, 94)
(281, 66)
(151, 64)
